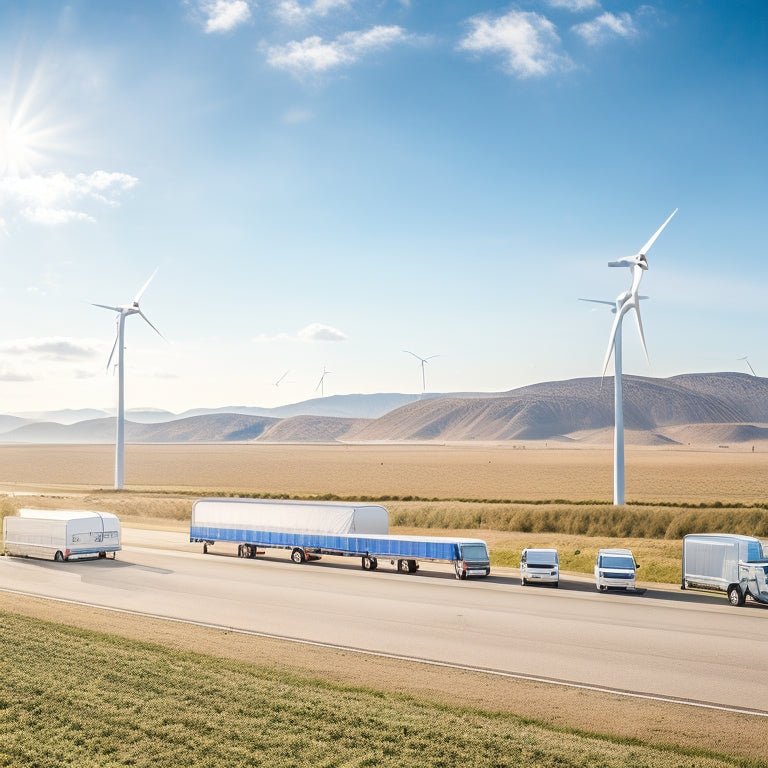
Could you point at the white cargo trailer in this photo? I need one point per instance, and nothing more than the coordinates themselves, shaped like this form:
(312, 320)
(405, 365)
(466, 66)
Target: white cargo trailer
(311, 529)
(61, 534)
(728, 563)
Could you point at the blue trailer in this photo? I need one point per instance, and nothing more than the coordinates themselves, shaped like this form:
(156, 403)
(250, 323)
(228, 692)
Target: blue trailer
(312, 529)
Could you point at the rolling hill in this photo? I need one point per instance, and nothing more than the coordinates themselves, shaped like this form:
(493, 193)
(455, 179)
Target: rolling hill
(713, 408)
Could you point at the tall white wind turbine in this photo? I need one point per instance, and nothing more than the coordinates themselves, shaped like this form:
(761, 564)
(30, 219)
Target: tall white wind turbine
(423, 361)
(626, 301)
(321, 383)
(746, 360)
(124, 311)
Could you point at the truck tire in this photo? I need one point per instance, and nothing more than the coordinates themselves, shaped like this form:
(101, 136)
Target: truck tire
(297, 556)
(374, 563)
(403, 567)
(367, 563)
(58, 557)
(735, 595)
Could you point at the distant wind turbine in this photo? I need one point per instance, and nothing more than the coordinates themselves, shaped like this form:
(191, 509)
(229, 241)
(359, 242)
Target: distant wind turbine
(747, 362)
(423, 361)
(625, 302)
(321, 383)
(277, 383)
(122, 312)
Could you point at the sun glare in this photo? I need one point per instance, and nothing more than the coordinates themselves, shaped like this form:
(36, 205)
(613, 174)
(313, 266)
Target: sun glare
(28, 130)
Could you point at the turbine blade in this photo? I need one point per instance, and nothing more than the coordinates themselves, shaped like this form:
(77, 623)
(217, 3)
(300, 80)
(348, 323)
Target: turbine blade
(648, 245)
(600, 301)
(104, 306)
(152, 326)
(640, 329)
(612, 339)
(408, 352)
(114, 347)
(144, 287)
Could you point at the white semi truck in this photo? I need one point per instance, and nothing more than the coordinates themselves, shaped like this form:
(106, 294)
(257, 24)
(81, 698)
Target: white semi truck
(61, 534)
(311, 529)
(730, 563)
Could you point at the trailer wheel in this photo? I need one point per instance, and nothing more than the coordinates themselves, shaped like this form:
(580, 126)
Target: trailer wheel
(406, 566)
(735, 596)
(366, 563)
(205, 548)
(374, 563)
(297, 556)
(58, 557)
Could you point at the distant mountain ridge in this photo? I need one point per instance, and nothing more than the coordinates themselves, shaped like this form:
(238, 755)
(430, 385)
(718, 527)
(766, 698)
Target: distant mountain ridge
(688, 408)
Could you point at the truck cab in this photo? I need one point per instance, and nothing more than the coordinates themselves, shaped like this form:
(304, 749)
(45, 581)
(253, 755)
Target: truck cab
(615, 569)
(539, 566)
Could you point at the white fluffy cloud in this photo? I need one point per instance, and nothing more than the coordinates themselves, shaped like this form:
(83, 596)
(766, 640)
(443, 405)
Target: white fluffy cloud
(311, 333)
(51, 348)
(606, 25)
(293, 12)
(225, 15)
(528, 42)
(576, 6)
(319, 332)
(314, 55)
(49, 200)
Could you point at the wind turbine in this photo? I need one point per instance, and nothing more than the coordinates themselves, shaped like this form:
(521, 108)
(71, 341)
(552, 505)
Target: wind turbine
(124, 311)
(277, 383)
(747, 362)
(423, 361)
(321, 383)
(625, 302)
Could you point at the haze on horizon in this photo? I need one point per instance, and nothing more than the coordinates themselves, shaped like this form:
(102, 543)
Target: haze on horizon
(325, 184)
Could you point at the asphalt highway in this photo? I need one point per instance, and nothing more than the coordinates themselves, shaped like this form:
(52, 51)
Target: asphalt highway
(663, 642)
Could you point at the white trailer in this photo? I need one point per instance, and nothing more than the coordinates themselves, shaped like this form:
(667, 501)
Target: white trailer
(728, 563)
(311, 529)
(61, 534)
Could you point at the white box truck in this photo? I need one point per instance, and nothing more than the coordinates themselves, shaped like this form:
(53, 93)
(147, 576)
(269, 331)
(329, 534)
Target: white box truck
(61, 534)
(729, 563)
(539, 566)
(311, 529)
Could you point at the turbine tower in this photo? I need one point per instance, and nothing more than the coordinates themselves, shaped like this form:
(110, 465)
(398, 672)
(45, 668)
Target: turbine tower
(423, 361)
(124, 311)
(626, 301)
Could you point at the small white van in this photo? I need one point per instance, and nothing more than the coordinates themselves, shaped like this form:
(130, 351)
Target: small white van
(539, 565)
(615, 569)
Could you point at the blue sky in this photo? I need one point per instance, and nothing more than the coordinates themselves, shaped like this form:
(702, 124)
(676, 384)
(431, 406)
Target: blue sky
(323, 184)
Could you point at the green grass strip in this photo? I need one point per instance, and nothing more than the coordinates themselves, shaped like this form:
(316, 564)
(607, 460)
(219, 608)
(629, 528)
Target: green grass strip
(78, 697)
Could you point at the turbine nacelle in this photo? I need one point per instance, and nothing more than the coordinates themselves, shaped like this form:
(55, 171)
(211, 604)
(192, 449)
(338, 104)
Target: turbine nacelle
(638, 260)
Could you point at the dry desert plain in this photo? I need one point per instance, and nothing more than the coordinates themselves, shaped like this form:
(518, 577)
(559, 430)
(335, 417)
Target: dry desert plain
(167, 477)
(440, 471)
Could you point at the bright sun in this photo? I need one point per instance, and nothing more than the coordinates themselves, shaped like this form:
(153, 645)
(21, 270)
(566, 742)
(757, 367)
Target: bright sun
(29, 130)
(22, 145)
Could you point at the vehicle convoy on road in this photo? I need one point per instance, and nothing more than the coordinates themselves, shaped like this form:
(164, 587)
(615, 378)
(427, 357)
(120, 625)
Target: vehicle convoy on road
(539, 566)
(311, 529)
(615, 569)
(729, 563)
(62, 534)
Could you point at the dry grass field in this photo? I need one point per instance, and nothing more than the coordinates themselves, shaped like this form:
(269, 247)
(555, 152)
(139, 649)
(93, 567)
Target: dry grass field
(450, 471)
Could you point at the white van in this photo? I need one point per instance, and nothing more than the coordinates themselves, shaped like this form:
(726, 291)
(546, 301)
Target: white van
(615, 569)
(540, 565)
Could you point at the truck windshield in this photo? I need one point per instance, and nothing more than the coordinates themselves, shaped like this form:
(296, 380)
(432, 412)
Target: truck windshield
(474, 552)
(616, 561)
